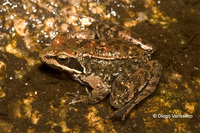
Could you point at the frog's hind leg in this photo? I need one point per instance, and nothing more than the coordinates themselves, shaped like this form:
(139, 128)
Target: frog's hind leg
(150, 85)
(144, 83)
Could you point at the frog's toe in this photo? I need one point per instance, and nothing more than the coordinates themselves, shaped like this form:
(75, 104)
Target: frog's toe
(71, 94)
(79, 99)
(74, 101)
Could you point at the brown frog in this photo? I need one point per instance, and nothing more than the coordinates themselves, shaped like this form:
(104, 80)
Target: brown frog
(111, 60)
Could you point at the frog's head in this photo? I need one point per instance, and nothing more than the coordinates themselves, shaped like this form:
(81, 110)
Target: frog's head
(60, 58)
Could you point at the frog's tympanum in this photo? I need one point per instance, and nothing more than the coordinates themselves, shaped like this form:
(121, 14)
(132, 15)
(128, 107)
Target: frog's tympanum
(111, 60)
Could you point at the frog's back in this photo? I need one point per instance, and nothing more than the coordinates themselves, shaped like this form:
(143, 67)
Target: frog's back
(110, 49)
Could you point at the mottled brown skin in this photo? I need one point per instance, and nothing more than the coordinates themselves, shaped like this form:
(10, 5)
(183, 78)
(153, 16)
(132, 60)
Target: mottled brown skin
(117, 64)
(110, 49)
(112, 30)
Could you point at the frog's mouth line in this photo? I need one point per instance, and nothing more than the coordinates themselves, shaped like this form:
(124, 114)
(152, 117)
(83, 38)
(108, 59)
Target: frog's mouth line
(55, 64)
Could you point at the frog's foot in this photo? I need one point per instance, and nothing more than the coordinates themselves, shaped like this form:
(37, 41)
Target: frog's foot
(71, 94)
(74, 95)
(77, 98)
(100, 90)
(129, 89)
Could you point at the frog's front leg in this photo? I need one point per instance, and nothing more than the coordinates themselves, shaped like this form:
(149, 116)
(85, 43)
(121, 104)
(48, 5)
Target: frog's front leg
(100, 90)
(130, 88)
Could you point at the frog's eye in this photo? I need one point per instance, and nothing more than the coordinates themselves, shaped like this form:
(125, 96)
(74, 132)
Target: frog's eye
(62, 57)
(69, 62)
(47, 56)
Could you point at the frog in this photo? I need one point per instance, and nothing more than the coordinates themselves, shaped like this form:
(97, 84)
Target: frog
(109, 58)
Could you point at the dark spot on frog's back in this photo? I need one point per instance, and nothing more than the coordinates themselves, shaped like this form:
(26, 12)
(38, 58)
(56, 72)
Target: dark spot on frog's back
(126, 49)
(147, 67)
(117, 48)
(72, 63)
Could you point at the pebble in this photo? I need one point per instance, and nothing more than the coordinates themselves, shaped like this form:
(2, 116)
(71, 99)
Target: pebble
(20, 26)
